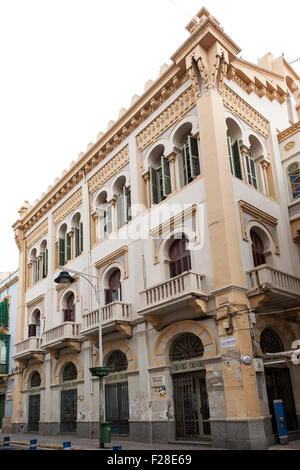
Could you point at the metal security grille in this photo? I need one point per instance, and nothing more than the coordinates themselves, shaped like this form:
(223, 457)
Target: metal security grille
(117, 407)
(68, 410)
(186, 347)
(34, 413)
(191, 406)
(279, 387)
(117, 361)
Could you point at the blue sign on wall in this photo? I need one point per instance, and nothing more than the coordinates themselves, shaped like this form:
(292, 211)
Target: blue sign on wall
(281, 421)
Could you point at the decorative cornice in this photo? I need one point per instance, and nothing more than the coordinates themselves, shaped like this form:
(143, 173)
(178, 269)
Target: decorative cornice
(37, 233)
(176, 110)
(108, 170)
(152, 99)
(289, 132)
(248, 86)
(112, 257)
(68, 206)
(240, 107)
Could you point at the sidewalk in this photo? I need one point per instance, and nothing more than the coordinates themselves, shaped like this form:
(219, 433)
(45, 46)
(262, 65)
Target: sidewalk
(81, 443)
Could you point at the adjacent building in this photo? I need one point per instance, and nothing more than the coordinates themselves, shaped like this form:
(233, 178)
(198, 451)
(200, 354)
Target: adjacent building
(186, 212)
(8, 312)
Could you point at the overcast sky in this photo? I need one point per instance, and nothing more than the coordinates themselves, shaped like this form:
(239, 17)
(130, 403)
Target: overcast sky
(69, 66)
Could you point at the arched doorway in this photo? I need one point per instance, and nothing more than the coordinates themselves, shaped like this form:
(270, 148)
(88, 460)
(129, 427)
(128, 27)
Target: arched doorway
(114, 291)
(180, 258)
(116, 393)
(69, 399)
(34, 403)
(278, 381)
(191, 405)
(257, 249)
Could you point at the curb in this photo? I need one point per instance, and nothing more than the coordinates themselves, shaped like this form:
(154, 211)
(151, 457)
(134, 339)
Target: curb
(46, 446)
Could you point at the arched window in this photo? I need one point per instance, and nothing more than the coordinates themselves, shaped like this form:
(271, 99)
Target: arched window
(44, 253)
(114, 291)
(191, 161)
(180, 258)
(35, 262)
(270, 342)
(35, 380)
(117, 361)
(64, 246)
(257, 249)
(69, 372)
(77, 226)
(104, 210)
(160, 175)
(294, 180)
(187, 346)
(123, 201)
(34, 329)
(69, 311)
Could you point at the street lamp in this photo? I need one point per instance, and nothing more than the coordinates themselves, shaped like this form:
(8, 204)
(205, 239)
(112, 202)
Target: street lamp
(65, 279)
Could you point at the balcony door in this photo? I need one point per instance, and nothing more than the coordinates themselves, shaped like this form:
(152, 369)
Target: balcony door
(180, 258)
(257, 249)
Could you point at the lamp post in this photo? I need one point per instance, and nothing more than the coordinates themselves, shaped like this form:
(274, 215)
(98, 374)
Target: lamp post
(64, 278)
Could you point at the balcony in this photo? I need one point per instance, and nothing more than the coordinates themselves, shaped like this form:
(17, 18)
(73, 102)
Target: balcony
(182, 297)
(270, 288)
(115, 317)
(63, 336)
(28, 349)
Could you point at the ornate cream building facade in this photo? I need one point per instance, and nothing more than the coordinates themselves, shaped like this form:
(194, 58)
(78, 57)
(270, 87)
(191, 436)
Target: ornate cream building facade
(187, 211)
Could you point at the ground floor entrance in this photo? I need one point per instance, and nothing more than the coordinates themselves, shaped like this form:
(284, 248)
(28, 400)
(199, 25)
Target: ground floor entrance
(117, 407)
(279, 387)
(34, 413)
(68, 411)
(191, 406)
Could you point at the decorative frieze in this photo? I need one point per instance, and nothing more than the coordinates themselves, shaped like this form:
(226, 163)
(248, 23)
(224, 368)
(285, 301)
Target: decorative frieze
(289, 132)
(108, 170)
(240, 107)
(174, 112)
(68, 206)
(37, 234)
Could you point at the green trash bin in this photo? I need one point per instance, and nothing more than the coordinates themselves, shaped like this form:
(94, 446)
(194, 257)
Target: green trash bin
(105, 433)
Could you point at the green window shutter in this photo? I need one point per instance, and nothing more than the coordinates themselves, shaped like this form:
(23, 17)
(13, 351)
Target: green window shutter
(166, 176)
(61, 252)
(4, 313)
(107, 220)
(4, 353)
(230, 154)
(128, 204)
(46, 262)
(153, 181)
(194, 156)
(120, 210)
(68, 247)
(237, 167)
(81, 237)
(186, 157)
(76, 241)
(251, 170)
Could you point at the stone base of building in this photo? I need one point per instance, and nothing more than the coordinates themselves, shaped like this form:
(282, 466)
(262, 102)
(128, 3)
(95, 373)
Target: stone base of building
(255, 434)
(6, 425)
(152, 431)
